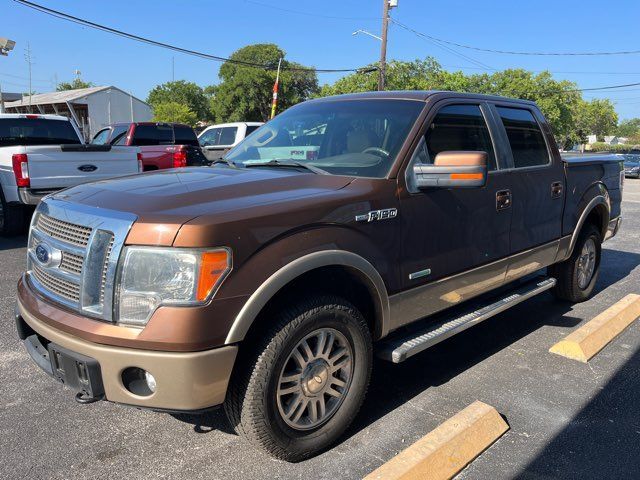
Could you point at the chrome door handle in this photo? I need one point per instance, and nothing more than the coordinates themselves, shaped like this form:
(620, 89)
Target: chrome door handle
(556, 189)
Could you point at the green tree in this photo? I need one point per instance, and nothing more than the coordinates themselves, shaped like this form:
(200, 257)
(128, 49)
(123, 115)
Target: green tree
(182, 92)
(74, 85)
(244, 93)
(596, 117)
(629, 128)
(174, 112)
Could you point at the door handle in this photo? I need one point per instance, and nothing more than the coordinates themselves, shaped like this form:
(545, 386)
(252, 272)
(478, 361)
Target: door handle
(503, 199)
(556, 189)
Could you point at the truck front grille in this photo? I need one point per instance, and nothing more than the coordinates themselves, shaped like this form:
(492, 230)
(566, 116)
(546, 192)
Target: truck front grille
(76, 266)
(64, 231)
(64, 288)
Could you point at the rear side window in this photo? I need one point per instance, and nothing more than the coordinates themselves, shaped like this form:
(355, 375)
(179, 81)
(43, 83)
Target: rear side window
(119, 135)
(210, 137)
(525, 137)
(459, 127)
(153, 135)
(101, 137)
(36, 131)
(251, 129)
(185, 136)
(228, 135)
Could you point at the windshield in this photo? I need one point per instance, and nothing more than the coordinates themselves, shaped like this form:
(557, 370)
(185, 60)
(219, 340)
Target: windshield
(36, 131)
(352, 137)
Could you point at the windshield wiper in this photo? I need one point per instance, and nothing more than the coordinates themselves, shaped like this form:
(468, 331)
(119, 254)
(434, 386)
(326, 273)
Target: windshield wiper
(290, 164)
(225, 161)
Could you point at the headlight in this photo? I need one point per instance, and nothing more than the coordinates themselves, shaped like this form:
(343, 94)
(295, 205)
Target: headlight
(150, 277)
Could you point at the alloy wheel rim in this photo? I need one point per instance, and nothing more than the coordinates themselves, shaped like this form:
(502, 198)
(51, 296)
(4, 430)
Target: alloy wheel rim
(586, 263)
(315, 379)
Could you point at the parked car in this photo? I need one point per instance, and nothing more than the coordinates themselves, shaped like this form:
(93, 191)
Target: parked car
(217, 140)
(337, 230)
(632, 165)
(163, 145)
(40, 154)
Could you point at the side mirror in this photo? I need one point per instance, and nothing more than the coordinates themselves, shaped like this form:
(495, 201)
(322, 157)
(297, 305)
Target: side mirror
(453, 169)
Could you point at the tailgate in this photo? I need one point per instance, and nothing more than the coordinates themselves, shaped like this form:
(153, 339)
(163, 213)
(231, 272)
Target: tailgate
(61, 166)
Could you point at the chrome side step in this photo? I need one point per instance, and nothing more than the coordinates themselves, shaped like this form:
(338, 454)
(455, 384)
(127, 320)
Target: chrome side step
(398, 349)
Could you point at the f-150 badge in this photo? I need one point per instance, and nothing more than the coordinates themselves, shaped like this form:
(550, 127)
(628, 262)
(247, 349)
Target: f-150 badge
(384, 214)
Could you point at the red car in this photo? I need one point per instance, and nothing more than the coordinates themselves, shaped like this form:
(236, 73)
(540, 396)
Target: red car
(163, 145)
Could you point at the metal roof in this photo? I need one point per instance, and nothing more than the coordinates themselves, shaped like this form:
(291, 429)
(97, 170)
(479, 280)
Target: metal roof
(61, 97)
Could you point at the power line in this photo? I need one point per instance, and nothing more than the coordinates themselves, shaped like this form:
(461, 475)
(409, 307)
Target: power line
(509, 52)
(195, 53)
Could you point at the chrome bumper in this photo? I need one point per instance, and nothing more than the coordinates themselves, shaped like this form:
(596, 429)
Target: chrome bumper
(28, 196)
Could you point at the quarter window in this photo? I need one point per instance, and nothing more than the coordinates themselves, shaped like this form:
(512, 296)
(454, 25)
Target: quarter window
(525, 137)
(458, 127)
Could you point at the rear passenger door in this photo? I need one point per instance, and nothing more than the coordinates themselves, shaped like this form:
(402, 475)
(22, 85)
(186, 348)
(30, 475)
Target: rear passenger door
(537, 178)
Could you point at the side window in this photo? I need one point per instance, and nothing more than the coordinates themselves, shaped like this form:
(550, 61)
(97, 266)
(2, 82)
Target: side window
(228, 136)
(458, 127)
(251, 129)
(210, 137)
(525, 137)
(119, 135)
(101, 137)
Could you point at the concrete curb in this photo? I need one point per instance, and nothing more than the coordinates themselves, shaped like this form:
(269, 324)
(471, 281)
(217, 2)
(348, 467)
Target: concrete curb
(449, 448)
(593, 336)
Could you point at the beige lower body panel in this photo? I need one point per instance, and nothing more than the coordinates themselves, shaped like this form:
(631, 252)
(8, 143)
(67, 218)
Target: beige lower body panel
(420, 302)
(185, 381)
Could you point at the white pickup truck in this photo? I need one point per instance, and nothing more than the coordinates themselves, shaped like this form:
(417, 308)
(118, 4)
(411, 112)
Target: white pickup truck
(40, 154)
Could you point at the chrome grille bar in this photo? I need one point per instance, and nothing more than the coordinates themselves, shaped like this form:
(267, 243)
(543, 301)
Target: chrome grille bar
(65, 231)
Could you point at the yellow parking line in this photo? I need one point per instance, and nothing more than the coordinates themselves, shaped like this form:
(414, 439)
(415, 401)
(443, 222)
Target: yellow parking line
(449, 448)
(593, 336)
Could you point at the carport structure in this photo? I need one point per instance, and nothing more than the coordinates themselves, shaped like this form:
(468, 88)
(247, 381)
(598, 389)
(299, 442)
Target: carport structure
(92, 108)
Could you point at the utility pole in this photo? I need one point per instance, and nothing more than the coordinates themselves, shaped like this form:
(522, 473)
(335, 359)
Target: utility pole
(274, 101)
(29, 58)
(382, 71)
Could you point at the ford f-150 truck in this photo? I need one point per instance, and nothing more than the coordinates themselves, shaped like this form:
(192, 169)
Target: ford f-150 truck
(40, 154)
(369, 223)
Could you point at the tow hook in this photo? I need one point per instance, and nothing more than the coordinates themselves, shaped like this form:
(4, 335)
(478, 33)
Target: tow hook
(85, 400)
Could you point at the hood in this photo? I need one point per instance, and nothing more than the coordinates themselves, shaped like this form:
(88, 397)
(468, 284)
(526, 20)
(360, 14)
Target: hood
(167, 199)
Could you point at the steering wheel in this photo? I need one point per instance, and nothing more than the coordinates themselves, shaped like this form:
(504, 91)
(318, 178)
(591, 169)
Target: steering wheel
(376, 150)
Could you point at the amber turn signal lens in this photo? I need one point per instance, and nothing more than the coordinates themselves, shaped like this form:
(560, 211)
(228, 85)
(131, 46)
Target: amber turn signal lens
(466, 176)
(213, 265)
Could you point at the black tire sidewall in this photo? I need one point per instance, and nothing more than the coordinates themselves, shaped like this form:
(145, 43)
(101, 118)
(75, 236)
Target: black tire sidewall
(300, 442)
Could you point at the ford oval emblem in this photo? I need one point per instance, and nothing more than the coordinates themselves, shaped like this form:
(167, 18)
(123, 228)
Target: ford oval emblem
(43, 254)
(87, 168)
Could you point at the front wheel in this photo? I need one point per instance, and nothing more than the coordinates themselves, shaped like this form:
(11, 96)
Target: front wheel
(576, 277)
(301, 386)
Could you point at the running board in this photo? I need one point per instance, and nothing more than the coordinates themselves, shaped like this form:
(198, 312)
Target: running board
(400, 348)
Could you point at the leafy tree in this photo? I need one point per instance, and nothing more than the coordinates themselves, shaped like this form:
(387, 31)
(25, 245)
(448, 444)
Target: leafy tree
(597, 117)
(182, 92)
(74, 85)
(174, 112)
(245, 92)
(629, 128)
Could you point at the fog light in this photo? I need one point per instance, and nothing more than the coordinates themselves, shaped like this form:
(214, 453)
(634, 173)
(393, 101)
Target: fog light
(138, 381)
(151, 381)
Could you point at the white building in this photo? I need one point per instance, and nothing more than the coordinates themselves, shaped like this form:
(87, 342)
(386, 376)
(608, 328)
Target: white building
(92, 108)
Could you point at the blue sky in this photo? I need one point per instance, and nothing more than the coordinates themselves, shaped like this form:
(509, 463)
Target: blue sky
(222, 26)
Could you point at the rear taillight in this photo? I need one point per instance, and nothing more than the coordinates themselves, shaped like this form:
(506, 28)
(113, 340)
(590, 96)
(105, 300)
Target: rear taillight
(140, 165)
(21, 169)
(179, 159)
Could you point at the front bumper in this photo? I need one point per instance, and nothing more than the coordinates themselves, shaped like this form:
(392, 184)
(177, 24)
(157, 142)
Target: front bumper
(185, 381)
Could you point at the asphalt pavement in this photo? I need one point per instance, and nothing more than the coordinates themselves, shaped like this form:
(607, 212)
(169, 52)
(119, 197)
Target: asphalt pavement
(567, 419)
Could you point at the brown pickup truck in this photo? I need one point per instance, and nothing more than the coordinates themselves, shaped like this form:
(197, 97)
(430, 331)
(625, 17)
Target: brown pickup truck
(372, 223)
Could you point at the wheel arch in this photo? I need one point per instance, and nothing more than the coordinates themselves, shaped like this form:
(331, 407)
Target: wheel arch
(597, 212)
(347, 265)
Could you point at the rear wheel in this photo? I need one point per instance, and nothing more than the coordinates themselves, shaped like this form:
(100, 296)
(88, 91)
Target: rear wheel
(576, 277)
(300, 387)
(11, 218)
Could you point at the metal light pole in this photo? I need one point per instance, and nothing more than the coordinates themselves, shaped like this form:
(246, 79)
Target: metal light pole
(6, 46)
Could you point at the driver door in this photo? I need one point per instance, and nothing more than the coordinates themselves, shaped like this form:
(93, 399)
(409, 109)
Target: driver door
(451, 230)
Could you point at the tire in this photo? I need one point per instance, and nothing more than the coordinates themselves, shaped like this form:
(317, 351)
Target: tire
(11, 218)
(257, 408)
(571, 285)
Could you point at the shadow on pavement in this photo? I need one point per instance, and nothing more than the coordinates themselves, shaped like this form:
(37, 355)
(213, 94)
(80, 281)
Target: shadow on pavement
(602, 440)
(10, 243)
